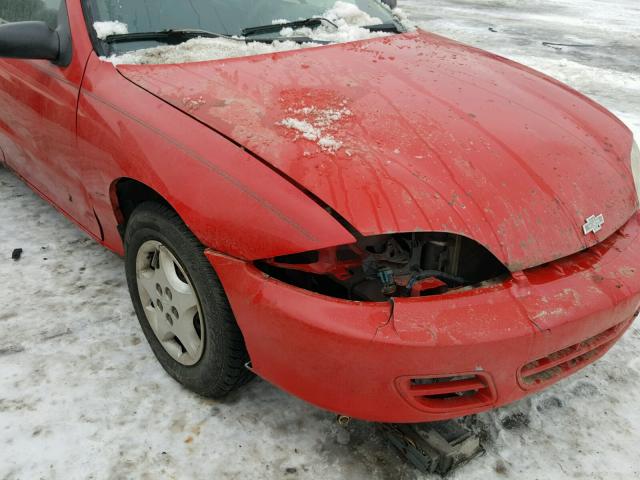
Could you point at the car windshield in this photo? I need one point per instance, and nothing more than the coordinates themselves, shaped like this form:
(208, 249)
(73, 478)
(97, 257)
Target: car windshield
(222, 16)
(166, 31)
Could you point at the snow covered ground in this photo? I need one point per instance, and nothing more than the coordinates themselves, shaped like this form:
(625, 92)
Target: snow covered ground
(81, 395)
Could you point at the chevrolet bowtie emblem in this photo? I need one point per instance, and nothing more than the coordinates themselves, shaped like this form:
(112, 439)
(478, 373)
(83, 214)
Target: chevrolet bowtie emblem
(594, 224)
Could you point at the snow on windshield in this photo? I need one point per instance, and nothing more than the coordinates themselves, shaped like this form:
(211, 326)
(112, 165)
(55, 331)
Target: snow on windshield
(348, 18)
(104, 29)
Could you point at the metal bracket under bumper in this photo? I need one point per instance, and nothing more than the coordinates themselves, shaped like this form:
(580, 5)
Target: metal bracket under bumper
(433, 447)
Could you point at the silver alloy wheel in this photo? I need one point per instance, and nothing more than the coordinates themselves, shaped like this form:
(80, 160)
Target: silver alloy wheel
(170, 303)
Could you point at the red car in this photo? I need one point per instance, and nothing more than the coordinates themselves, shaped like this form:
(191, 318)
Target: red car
(398, 228)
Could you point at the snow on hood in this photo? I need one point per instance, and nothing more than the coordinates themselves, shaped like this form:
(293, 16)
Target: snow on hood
(317, 124)
(414, 132)
(349, 19)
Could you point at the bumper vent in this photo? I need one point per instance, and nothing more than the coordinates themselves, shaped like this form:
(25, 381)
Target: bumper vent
(447, 394)
(564, 362)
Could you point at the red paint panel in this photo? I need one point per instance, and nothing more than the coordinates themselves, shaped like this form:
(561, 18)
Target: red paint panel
(38, 126)
(347, 357)
(231, 202)
(441, 137)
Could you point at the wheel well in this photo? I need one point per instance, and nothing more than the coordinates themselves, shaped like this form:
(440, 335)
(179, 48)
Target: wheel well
(127, 194)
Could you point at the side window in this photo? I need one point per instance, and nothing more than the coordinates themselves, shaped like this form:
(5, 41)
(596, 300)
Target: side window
(26, 10)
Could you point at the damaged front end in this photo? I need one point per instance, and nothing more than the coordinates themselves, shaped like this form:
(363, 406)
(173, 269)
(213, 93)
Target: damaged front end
(380, 267)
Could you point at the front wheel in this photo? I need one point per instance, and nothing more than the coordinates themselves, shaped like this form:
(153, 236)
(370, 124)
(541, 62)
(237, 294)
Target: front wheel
(181, 305)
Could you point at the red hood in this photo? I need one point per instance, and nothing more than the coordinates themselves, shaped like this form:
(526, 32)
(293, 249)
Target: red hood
(438, 137)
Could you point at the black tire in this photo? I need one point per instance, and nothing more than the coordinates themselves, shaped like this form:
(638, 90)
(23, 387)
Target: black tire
(221, 368)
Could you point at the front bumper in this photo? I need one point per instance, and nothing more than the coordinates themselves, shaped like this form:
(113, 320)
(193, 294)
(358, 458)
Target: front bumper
(434, 358)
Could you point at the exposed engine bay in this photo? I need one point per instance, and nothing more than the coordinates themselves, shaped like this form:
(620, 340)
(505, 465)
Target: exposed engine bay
(385, 266)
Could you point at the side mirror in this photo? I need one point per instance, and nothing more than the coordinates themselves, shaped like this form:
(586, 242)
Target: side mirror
(29, 40)
(390, 3)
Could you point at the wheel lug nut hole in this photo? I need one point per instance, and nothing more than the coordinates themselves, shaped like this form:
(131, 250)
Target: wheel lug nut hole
(158, 289)
(169, 319)
(175, 313)
(168, 293)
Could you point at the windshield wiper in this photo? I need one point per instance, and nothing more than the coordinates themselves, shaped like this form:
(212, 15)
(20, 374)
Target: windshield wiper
(175, 37)
(167, 36)
(276, 27)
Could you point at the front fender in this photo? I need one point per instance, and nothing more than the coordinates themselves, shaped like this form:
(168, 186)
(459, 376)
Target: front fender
(231, 201)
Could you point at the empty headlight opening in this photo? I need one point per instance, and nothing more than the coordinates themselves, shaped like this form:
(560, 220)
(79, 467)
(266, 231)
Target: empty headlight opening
(401, 265)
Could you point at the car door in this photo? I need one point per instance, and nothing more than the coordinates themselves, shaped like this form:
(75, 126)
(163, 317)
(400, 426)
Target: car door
(38, 107)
